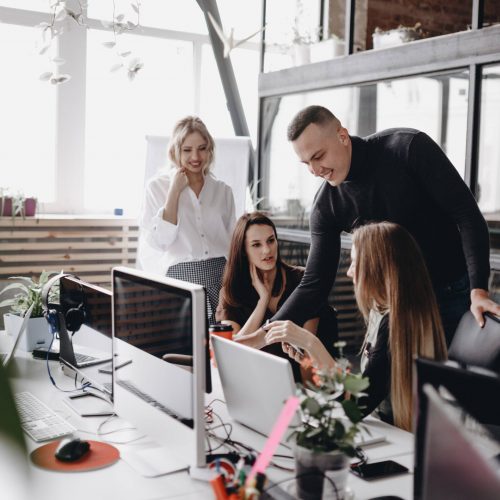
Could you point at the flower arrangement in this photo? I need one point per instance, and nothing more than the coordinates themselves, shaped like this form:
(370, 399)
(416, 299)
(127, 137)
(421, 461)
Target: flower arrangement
(322, 428)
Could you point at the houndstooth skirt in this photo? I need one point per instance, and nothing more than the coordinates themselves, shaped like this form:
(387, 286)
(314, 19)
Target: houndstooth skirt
(207, 273)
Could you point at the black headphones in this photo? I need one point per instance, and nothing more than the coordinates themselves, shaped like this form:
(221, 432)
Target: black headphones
(74, 317)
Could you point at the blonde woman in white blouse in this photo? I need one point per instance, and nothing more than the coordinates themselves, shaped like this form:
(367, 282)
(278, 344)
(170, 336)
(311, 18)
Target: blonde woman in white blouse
(188, 214)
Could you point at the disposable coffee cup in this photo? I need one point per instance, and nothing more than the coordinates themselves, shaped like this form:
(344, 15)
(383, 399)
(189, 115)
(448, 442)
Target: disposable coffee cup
(221, 330)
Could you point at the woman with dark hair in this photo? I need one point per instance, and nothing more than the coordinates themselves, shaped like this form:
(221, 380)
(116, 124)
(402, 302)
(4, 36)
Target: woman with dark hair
(395, 295)
(257, 282)
(188, 214)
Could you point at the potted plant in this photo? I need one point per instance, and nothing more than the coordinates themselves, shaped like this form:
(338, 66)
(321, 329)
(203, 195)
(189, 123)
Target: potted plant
(324, 441)
(331, 47)
(402, 34)
(29, 291)
(16, 205)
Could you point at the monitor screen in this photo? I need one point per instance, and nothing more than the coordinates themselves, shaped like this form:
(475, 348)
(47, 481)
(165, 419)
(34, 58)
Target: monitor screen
(96, 302)
(454, 465)
(160, 329)
(94, 337)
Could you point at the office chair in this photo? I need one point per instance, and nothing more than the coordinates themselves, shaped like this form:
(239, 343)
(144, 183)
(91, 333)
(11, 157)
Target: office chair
(476, 346)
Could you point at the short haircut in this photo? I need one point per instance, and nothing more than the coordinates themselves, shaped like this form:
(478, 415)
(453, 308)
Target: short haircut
(182, 129)
(311, 114)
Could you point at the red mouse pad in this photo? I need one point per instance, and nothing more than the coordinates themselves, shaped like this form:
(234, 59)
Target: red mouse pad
(100, 455)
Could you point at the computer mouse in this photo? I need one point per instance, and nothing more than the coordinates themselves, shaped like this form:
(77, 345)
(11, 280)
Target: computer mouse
(71, 449)
(386, 497)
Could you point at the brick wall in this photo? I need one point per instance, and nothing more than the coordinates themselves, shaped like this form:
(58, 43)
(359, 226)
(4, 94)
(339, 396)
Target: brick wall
(436, 17)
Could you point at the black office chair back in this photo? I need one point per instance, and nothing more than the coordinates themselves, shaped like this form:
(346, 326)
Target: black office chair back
(476, 346)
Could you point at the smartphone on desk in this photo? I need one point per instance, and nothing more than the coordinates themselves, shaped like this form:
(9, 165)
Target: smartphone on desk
(378, 470)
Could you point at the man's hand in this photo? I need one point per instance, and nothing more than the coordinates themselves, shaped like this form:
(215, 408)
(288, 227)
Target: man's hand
(481, 303)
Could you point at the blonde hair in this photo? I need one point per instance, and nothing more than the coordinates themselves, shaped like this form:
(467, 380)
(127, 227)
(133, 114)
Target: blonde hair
(391, 275)
(182, 129)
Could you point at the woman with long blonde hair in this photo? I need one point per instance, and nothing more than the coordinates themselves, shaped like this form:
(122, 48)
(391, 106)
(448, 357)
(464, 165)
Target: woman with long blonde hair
(395, 295)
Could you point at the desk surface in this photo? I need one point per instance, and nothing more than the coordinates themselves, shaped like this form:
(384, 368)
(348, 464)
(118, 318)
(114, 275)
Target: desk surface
(120, 481)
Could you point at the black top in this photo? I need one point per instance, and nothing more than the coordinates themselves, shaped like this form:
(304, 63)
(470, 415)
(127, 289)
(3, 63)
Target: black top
(401, 176)
(327, 327)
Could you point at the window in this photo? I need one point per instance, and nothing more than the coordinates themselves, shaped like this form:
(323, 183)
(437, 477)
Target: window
(86, 137)
(489, 146)
(435, 104)
(120, 113)
(27, 120)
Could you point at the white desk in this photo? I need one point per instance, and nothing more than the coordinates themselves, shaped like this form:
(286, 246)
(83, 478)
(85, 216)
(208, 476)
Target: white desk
(120, 481)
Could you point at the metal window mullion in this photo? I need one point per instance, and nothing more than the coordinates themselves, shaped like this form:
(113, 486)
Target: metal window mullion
(473, 123)
(477, 14)
(197, 62)
(350, 11)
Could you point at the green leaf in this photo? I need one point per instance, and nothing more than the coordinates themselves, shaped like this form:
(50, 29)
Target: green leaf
(351, 410)
(7, 302)
(355, 383)
(15, 286)
(314, 432)
(339, 430)
(27, 280)
(312, 406)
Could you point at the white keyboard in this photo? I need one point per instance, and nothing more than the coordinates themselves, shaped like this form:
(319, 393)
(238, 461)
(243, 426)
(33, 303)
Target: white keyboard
(38, 420)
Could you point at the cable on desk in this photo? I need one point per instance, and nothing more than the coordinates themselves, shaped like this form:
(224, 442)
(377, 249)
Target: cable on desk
(82, 388)
(100, 433)
(238, 446)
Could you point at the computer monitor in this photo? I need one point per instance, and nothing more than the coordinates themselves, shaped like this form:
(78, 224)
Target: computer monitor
(475, 391)
(156, 317)
(95, 300)
(454, 466)
(94, 337)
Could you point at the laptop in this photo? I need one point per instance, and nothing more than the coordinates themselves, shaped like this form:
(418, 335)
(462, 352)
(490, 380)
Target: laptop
(256, 384)
(6, 355)
(84, 358)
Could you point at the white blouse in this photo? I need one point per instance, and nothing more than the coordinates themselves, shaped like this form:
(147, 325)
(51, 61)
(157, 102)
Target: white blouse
(374, 319)
(204, 224)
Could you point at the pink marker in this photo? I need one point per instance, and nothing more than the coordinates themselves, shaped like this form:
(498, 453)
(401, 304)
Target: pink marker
(279, 428)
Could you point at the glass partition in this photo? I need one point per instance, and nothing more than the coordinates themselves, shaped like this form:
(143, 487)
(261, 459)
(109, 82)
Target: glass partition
(489, 145)
(435, 104)
(295, 29)
(491, 12)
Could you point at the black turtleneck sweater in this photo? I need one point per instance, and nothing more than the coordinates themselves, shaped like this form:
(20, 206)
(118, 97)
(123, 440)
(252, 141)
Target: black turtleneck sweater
(402, 176)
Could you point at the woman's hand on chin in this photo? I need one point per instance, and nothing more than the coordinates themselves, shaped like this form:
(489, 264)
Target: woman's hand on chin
(180, 180)
(262, 285)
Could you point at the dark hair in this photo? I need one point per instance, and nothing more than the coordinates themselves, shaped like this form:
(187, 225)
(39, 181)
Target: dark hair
(311, 114)
(237, 288)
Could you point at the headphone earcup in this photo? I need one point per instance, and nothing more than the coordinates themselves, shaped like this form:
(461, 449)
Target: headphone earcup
(75, 317)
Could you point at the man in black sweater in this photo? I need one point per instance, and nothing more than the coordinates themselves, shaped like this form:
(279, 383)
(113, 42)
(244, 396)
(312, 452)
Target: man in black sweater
(397, 175)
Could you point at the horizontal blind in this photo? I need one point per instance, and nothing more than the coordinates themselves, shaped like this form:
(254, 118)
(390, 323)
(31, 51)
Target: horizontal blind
(86, 247)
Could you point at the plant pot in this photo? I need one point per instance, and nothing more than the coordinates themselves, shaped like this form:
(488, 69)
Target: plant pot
(301, 54)
(397, 36)
(327, 49)
(36, 335)
(28, 209)
(320, 475)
